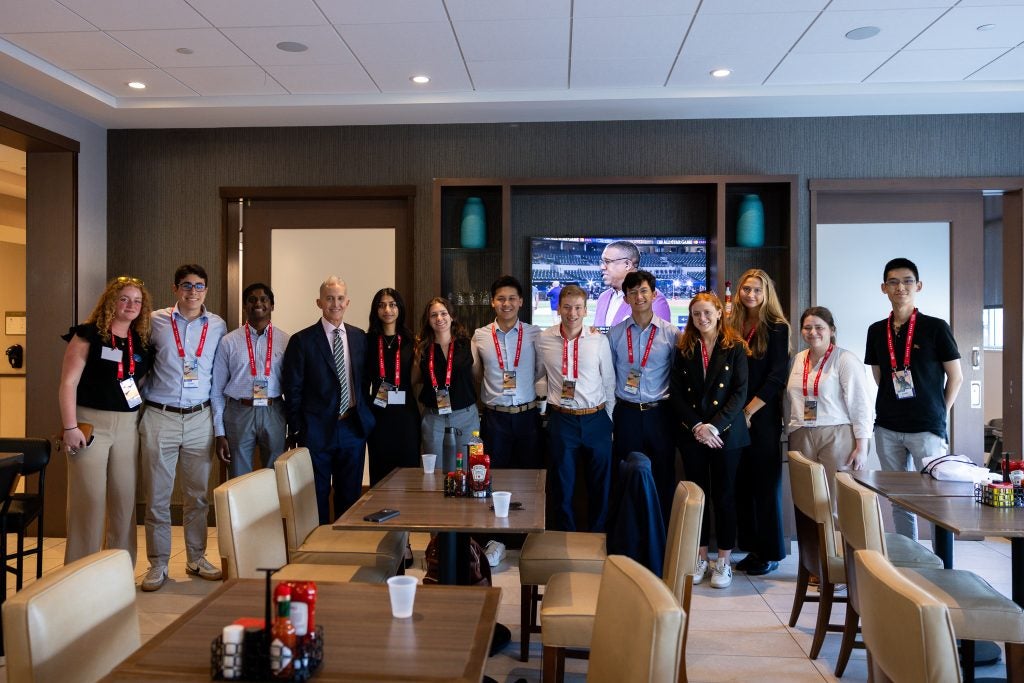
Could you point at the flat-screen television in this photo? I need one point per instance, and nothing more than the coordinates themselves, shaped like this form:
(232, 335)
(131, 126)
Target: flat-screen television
(679, 265)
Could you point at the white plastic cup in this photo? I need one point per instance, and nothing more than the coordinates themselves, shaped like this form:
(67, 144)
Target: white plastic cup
(402, 590)
(429, 460)
(501, 502)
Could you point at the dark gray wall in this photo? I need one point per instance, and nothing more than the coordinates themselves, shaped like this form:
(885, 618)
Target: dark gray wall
(164, 208)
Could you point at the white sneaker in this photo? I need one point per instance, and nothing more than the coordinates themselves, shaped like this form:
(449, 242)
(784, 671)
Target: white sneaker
(702, 570)
(154, 578)
(721, 575)
(494, 551)
(203, 569)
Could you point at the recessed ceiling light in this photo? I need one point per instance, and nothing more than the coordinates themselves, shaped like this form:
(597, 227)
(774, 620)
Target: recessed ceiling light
(184, 50)
(420, 79)
(721, 73)
(986, 27)
(137, 85)
(291, 46)
(863, 33)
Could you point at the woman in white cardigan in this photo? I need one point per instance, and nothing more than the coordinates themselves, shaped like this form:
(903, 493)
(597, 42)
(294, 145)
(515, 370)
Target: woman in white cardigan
(828, 412)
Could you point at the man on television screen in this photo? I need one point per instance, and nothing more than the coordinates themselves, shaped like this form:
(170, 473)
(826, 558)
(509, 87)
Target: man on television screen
(618, 259)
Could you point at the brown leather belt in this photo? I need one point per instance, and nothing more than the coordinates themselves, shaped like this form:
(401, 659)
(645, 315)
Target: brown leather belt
(249, 401)
(522, 408)
(575, 411)
(198, 408)
(651, 405)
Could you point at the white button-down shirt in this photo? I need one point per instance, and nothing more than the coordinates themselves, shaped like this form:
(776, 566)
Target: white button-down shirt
(595, 383)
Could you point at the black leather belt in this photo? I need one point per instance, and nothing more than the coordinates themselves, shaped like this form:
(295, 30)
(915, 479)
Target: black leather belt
(638, 406)
(198, 408)
(513, 410)
(249, 401)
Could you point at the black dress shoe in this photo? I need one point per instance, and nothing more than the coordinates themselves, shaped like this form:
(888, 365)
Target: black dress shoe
(762, 567)
(747, 562)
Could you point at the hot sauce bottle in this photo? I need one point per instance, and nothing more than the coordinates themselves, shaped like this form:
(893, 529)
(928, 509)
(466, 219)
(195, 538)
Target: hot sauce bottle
(282, 635)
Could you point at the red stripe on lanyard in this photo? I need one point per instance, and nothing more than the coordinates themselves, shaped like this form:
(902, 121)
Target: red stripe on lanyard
(705, 358)
(647, 351)
(565, 355)
(910, 339)
(807, 368)
(252, 356)
(177, 338)
(750, 335)
(448, 373)
(497, 347)
(131, 356)
(398, 359)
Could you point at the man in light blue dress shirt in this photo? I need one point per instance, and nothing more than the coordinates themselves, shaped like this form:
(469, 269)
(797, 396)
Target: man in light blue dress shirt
(643, 346)
(246, 397)
(177, 425)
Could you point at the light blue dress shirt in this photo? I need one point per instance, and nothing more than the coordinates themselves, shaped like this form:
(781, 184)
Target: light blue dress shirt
(164, 382)
(654, 380)
(485, 356)
(232, 375)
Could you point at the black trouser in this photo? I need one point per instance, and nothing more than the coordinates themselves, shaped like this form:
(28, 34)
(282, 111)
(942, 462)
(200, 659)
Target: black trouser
(512, 439)
(649, 432)
(714, 470)
(759, 487)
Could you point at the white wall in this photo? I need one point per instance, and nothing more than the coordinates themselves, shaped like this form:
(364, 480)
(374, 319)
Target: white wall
(92, 184)
(993, 394)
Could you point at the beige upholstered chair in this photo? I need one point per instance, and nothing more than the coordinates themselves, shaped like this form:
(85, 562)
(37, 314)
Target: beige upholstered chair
(638, 629)
(549, 553)
(250, 536)
(863, 519)
(909, 634)
(75, 624)
(978, 611)
(570, 598)
(310, 543)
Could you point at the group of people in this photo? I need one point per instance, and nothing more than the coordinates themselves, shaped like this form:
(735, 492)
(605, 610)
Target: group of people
(721, 391)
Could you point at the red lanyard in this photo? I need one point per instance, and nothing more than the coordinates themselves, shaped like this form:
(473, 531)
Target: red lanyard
(750, 335)
(448, 374)
(565, 355)
(177, 338)
(252, 356)
(398, 360)
(704, 357)
(497, 348)
(910, 339)
(807, 368)
(131, 357)
(647, 351)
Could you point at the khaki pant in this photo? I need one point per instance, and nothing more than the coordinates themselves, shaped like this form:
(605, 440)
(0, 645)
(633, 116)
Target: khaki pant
(101, 486)
(829, 445)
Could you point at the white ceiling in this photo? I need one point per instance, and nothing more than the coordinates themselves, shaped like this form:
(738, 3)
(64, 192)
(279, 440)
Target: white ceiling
(509, 60)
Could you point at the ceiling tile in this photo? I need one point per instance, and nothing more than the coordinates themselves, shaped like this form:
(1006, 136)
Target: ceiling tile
(407, 42)
(121, 15)
(514, 39)
(695, 70)
(619, 73)
(216, 81)
(209, 47)
(325, 46)
(491, 10)
(1008, 67)
(959, 29)
(526, 74)
(382, 11)
(115, 81)
(898, 27)
(393, 77)
(634, 8)
(628, 37)
(754, 6)
(807, 68)
(236, 13)
(916, 66)
(79, 50)
(32, 16)
(770, 35)
(323, 79)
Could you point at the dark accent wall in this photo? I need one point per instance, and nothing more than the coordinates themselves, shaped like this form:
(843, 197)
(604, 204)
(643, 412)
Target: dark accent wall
(163, 185)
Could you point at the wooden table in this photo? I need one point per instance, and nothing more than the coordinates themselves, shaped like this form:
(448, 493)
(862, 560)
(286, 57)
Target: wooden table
(445, 640)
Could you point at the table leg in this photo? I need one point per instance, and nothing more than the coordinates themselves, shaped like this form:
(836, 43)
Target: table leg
(454, 558)
(942, 544)
(447, 545)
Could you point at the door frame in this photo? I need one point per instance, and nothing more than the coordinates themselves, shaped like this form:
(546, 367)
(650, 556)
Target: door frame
(965, 423)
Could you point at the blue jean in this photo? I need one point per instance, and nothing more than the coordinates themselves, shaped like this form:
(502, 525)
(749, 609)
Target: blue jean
(586, 437)
(904, 452)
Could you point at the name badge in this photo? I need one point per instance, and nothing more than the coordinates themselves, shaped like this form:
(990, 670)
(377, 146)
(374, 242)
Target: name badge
(568, 391)
(396, 398)
(810, 412)
(903, 383)
(107, 353)
(444, 402)
(190, 373)
(633, 381)
(508, 382)
(383, 391)
(131, 392)
(260, 391)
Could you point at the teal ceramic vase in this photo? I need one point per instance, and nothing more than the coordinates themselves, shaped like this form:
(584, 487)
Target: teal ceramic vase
(474, 225)
(750, 224)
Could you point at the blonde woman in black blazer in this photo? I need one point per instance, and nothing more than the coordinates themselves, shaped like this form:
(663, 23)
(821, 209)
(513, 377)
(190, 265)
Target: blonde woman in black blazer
(709, 388)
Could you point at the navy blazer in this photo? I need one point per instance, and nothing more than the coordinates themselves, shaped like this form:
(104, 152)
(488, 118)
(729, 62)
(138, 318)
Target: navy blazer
(717, 399)
(311, 388)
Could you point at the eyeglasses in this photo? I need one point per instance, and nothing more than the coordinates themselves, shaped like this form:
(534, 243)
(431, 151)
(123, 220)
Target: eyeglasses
(124, 279)
(907, 282)
(189, 286)
(608, 261)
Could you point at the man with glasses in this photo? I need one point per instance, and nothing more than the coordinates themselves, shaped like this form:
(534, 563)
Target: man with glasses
(246, 397)
(617, 260)
(176, 430)
(916, 365)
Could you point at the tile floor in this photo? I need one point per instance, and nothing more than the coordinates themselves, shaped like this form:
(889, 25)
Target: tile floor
(736, 634)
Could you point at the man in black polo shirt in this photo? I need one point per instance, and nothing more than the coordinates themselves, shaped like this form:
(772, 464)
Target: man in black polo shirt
(916, 365)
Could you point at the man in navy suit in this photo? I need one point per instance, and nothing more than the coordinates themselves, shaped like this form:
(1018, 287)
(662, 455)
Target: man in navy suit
(321, 376)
